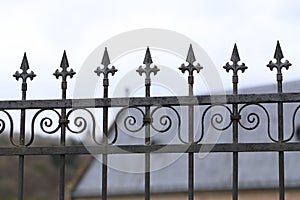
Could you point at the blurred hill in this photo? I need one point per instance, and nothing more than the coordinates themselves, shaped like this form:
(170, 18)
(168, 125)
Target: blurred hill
(41, 179)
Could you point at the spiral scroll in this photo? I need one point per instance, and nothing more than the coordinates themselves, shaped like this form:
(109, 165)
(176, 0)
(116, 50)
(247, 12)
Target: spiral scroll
(165, 120)
(45, 123)
(216, 120)
(81, 123)
(129, 121)
(252, 118)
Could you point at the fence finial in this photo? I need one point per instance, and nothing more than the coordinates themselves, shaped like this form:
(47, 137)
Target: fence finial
(148, 58)
(24, 67)
(190, 58)
(278, 52)
(105, 59)
(105, 71)
(147, 69)
(235, 57)
(105, 62)
(64, 64)
(278, 55)
(235, 67)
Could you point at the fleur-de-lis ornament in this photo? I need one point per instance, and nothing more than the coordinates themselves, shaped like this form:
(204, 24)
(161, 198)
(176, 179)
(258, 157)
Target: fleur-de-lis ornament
(279, 65)
(235, 67)
(105, 70)
(147, 69)
(190, 58)
(24, 75)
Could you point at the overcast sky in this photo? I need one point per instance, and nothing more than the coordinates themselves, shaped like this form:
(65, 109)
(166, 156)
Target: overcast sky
(45, 28)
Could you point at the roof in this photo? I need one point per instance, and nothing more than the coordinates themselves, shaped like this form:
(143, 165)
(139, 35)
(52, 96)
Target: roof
(213, 172)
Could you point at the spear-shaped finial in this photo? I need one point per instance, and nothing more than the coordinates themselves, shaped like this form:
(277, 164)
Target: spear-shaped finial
(148, 58)
(235, 58)
(64, 64)
(235, 54)
(278, 55)
(24, 67)
(105, 62)
(278, 52)
(235, 67)
(105, 59)
(147, 69)
(190, 58)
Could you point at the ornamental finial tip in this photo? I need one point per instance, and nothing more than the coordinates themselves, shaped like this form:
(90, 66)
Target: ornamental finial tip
(148, 58)
(105, 59)
(235, 57)
(278, 52)
(190, 58)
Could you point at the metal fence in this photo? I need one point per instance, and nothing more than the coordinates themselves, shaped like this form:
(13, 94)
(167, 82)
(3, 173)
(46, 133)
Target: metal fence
(63, 108)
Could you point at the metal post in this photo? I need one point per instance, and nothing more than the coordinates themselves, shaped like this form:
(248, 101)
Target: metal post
(279, 65)
(235, 118)
(23, 75)
(63, 120)
(105, 71)
(147, 118)
(191, 68)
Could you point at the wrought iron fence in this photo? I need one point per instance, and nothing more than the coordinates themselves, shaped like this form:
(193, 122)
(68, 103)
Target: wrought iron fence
(234, 104)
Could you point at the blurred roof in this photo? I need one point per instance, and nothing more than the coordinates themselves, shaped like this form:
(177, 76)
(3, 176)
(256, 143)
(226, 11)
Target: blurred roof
(213, 172)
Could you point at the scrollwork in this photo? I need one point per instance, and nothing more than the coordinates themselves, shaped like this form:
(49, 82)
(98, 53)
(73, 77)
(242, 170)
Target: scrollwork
(46, 123)
(129, 122)
(3, 126)
(216, 120)
(81, 123)
(165, 120)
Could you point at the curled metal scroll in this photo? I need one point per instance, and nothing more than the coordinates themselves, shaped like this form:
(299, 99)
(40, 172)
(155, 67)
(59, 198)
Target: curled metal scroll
(129, 120)
(165, 120)
(81, 123)
(293, 125)
(45, 122)
(253, 118)
(11, 129)
(215, 120)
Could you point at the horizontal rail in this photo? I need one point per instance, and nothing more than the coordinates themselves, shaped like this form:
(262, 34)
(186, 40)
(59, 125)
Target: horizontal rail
(130, 149)
(151, 101)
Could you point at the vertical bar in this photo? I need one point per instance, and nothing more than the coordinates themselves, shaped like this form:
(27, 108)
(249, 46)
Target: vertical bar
(280, 138)
(147, 121)
(105, 71)
(235, 158)
(191, 140)
(63, 123)
(105, 140)
(22, 143)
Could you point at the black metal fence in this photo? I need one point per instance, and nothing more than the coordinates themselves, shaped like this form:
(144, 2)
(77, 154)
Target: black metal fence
(63, 108)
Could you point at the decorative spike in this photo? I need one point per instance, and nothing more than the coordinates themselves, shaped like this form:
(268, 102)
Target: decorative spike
(190, 67)
(279, 64)
(235, 67)
(105, 70)
(235, 54)
(64, 61)
(278, 52)
(24, 65)
(190, 58)
(148, 59)
(105, 58)
(64, 72)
